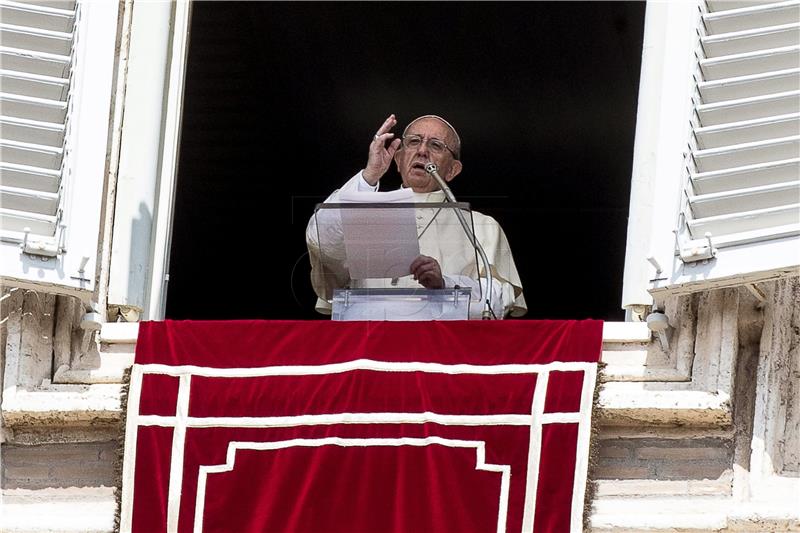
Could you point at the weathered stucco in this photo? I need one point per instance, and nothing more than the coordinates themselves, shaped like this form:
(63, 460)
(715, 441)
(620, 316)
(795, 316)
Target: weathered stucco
(680, 462)
(779, 378)
(704, 436)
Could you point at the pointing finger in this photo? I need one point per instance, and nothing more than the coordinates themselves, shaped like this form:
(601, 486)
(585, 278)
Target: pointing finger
(387, 124)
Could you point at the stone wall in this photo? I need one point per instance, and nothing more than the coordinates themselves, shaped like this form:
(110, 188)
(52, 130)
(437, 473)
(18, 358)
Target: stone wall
(89, 464)
(58, 488)
(665, 458)
(684, 463)
(699, 435)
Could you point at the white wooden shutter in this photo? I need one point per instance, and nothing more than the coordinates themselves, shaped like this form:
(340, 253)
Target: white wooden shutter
(744, 172)
(55, 93)
(36, 58)
(715, 195)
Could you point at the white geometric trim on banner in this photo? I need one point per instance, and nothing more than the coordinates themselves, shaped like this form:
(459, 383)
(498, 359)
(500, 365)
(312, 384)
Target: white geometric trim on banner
(181, 421)
(233, 447)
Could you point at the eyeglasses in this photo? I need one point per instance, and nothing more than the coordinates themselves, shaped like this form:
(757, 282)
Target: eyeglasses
(436, 146)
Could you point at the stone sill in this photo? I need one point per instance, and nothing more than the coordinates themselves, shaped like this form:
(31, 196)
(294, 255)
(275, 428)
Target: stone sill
(81, 396)
(626, 404)
(690, 514)
(613, 332)
(119, 332)
(772, 507)
(62, 405)
(673, 514)
(59, 510)
(625, 332)
(627, 488)
(118, 344)
(91, 510)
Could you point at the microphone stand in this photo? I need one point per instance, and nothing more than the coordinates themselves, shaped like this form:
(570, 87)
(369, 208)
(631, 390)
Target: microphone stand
(487, 314)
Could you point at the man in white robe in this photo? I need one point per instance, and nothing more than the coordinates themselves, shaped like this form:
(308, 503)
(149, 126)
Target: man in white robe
(447, 260)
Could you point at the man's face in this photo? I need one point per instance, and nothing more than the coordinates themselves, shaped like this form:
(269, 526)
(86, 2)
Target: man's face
(411, 161)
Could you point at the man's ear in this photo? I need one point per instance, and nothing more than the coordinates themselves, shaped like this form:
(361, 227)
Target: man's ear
(455, 170)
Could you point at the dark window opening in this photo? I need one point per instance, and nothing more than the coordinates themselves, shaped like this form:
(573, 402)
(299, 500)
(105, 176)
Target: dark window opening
(282, 100)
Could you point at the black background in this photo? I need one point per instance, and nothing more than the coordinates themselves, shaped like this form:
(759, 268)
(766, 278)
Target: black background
(282, 100)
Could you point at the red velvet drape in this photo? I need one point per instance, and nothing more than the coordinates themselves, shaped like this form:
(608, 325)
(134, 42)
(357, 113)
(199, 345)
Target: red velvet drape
(360, 426)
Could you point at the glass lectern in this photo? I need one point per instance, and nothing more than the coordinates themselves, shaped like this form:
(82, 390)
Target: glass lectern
(361, 254)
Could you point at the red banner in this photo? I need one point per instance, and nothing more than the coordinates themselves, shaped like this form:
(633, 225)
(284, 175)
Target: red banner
(359, 426)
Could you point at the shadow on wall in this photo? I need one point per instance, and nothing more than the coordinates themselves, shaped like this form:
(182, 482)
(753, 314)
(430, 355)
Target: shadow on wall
(131, 305)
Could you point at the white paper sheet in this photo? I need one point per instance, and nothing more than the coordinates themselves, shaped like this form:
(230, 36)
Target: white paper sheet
(379, 242)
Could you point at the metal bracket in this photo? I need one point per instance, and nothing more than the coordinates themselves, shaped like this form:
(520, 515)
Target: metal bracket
(756, 291)
(81, 273)
(44, 249)
(697, 251)
(658, 277)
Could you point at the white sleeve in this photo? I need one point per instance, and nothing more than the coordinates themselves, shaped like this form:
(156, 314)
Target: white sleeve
(363, 186)
(329, 219)
(325, 241)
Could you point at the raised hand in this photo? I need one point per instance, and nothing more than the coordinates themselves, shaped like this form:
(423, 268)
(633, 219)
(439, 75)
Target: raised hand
(380, 155)
(427, 272)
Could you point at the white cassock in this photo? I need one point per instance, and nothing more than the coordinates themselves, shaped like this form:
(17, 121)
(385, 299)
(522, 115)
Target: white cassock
(441, 237)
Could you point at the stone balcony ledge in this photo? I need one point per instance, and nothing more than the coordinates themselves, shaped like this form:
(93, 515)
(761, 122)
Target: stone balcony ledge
(93, 396)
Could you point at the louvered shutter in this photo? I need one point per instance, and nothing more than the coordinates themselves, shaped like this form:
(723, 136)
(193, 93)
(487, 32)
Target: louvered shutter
(744, 172)
(55, 94)
(715, 195)
(36, 58)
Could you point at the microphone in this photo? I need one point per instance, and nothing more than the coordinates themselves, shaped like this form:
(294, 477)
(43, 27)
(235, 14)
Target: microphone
(487, 313)
(433, 170)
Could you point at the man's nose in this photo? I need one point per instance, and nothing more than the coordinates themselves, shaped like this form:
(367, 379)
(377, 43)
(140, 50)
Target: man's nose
(423, 148)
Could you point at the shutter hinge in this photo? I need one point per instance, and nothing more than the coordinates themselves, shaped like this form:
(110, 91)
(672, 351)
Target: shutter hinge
(698, 250)
(44, 249)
